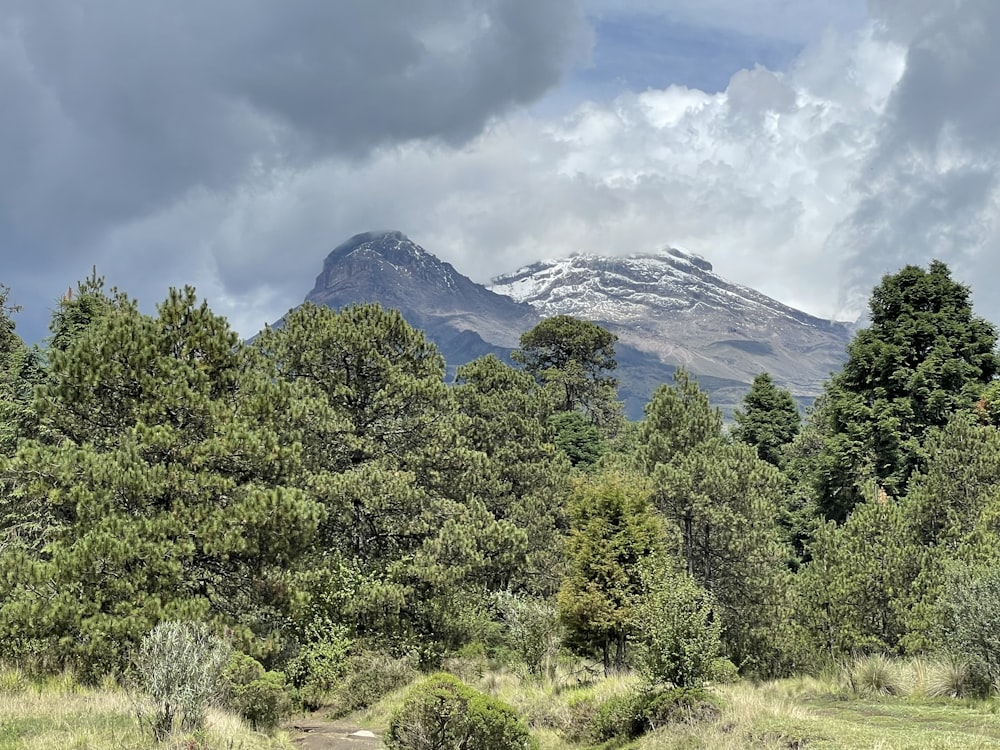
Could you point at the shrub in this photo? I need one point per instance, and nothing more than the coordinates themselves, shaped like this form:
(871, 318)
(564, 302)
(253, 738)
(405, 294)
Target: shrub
(873, 675)
(532, 629)
(631, 715)
(442, 712)
(679, 635)
(951, 677)
(969, 609)
(371, 675)
(319, 666)
(258, 696)
(179, 664)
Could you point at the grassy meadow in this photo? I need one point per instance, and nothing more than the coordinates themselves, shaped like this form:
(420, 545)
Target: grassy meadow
(893, 705)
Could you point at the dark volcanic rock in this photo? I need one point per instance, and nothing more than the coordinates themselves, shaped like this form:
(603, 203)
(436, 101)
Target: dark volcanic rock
(466, 320)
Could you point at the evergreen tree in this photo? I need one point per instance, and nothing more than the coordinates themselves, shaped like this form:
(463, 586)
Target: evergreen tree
(723, 500)
(573, 358)
(76, 310)
(168, 496)
(522, 477)
(852, 593)
(19, 370)
(769, 419)
(429, 503)
(614, 536)
(923, 357)
(678, 418)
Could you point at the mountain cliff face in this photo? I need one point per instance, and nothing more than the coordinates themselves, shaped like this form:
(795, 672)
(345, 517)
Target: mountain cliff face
(466, 320)
(673, 306)
(668, 309)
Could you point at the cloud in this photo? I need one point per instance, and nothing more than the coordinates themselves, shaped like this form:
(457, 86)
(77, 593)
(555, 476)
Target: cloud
(755, 178)
(929, 186)
(217, 147)
(119, 113)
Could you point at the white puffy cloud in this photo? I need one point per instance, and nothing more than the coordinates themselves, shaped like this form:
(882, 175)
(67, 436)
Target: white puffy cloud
(755, 178)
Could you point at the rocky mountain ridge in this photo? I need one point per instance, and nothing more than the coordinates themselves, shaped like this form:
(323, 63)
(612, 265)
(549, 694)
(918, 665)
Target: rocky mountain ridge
(674, 306)
(668, 309)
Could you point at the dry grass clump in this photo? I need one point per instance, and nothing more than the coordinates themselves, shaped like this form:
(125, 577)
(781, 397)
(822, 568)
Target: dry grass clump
(873, 675)
(57, 713)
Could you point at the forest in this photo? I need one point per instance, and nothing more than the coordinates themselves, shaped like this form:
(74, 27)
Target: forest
(319, 517)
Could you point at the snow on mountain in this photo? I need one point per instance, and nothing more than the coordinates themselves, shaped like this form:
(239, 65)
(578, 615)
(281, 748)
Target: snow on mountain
(673, 305)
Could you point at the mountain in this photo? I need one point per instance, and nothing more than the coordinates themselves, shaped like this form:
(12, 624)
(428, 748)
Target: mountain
(466, 320)
(673, 306)
(667, 309)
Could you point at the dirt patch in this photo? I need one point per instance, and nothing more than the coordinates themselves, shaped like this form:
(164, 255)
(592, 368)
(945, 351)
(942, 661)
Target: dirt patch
(316, 734)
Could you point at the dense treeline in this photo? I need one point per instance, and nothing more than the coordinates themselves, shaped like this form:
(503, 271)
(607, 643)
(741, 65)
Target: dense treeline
(322, 492)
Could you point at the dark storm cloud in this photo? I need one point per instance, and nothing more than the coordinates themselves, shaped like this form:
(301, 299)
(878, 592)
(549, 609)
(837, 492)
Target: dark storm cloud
(930, 185)
(115, 110)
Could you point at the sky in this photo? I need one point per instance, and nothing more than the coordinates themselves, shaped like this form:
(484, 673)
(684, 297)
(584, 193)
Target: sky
(804, 147)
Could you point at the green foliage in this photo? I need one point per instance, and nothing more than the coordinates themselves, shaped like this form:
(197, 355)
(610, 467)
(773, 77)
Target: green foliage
(320, 664)
(970, 610)
(723, 501)
(769, 419)
(165, 488)
(261, 697)
(442, 712)
(371, 675)
(924, 357)
(573, 357)
(679, 634)
(873, 675)
(577, 437)
(179, 665)
(614, 533)
(633, 714)
(519, 475)
(532, 630)
(678, 418)
(852, 592)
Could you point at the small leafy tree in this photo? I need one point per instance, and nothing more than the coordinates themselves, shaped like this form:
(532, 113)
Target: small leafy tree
(614, 532)
(180, 665)
(678, 630)
(532, 627)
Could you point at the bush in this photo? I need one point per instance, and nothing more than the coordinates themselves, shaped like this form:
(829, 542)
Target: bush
(631, 715)
(179, 664)
(319, 666)
(679, 635)
(442, 712)
(969, 609)
(532, 629)
(371, 675)
(873, 675)
(258, 696)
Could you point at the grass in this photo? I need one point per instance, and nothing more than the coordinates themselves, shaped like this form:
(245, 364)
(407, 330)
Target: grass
(817, 713)
(59, 714)
(896, 706)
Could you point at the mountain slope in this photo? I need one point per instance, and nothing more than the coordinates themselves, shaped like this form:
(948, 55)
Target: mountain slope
(466, 320)
(673, 306)
(668, 309)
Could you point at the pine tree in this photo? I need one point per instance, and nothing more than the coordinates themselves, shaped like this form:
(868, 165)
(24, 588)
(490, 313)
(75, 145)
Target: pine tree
(573, 358)
(678, 418)
(768, 421)
(923, 357)
(169, 494)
